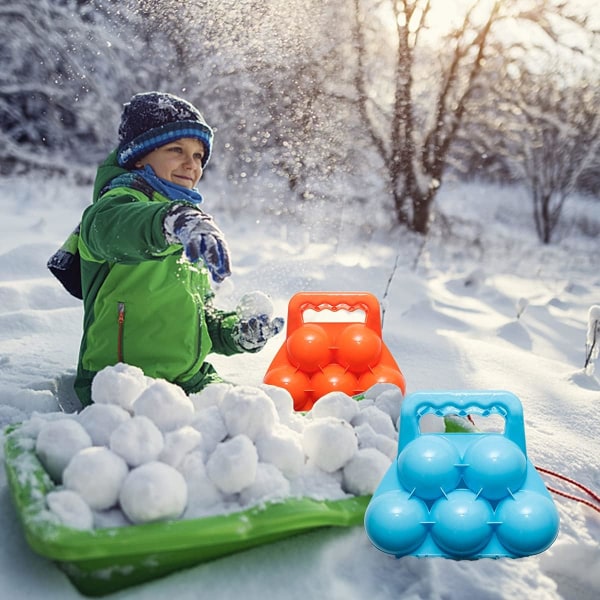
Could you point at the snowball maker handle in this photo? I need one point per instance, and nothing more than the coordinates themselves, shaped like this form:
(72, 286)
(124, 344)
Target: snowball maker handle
(334, 301)
(462, 403)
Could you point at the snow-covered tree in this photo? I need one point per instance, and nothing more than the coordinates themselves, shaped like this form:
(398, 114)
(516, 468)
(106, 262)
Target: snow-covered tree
(67, 67)
(414, 121)
(550, 136)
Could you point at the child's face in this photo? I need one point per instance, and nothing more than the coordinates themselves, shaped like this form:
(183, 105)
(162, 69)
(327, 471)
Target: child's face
(178, 162)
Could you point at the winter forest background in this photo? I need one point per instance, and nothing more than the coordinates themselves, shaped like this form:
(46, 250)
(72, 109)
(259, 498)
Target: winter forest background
(441, 154)
(380, 100)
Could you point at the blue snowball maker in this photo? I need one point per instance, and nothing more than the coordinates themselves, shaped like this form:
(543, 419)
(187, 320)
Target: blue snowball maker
(462, 495)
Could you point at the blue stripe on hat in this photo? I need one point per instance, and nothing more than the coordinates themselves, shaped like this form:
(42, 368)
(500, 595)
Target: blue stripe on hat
(159, 136)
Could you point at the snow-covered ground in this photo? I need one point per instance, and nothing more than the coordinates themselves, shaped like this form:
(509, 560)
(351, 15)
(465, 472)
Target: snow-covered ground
(486, 307)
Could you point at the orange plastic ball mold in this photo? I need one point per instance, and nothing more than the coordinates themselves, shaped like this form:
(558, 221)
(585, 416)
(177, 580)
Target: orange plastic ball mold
(346, 355)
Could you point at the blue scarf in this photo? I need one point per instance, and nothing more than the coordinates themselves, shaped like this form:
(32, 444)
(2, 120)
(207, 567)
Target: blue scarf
(170, 190)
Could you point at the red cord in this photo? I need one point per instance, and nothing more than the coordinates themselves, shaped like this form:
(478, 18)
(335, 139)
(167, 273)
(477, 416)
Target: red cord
(576, 484)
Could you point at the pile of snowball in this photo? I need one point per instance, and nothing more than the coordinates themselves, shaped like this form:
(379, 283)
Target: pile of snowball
(145, 451)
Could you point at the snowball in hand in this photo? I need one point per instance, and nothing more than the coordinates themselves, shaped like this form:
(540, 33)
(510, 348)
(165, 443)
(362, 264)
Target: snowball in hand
(57, 442)
(153, 492)
(96, 474)
(100, 420)
(166, 404)
(71, 509)
(330, 443)
(137, 440)
(253, 304)
(232, 466)
(119, 384)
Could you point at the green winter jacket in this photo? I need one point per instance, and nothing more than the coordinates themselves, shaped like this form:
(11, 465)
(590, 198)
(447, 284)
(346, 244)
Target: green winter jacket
(144, 304)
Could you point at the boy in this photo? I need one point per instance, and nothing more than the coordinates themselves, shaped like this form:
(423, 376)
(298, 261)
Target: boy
(146, 252)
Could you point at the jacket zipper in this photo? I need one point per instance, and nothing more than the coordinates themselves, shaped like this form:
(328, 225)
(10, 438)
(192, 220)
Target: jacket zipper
(121, 326)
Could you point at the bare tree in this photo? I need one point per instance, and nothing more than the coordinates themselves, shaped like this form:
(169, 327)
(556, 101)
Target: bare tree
(415, 125)
(551, 136)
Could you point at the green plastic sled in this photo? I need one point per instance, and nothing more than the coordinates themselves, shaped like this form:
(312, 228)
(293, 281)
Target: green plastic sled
(106, 560)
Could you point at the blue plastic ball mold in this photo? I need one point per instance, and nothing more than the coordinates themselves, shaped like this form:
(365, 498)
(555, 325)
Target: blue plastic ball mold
(462, 495)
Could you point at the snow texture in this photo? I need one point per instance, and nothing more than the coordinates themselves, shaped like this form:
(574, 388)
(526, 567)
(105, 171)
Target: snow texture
(451, 321)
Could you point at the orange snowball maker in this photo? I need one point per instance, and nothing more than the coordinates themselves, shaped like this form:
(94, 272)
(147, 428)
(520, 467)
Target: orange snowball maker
(320, 357)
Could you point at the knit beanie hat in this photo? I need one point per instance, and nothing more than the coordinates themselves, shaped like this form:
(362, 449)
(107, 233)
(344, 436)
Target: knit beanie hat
(153, 119)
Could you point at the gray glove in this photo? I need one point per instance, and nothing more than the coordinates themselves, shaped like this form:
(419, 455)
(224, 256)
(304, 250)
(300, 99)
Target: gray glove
(200, 237)
(255, 327)
(253, 333)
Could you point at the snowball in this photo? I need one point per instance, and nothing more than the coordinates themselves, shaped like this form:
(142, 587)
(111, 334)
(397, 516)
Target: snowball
(71, 509)
(137, 440)
(369, 438)
(253, 304)
(283, 449)
(282, 400)
(378, 389)
(390, 401)
(386, 446)
(364, 471)
(57, 442)
(209, 422)
(248, 410)
(32, 427)
(202, 492)
(269, 484)
(330, 443)
(211, 395)
(366, 435)
(203, 495)
(232, 466)
(335, 404)
(119, 384)
(153, 492)
(192, 465)
(96, 474)
(166, 404)
(178, 443)
(113, 517)
(100, 420)
(377, 419)
(315, 483)
(297, 422)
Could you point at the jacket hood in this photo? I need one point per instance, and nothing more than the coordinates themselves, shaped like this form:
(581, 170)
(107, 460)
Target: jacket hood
(107, 171)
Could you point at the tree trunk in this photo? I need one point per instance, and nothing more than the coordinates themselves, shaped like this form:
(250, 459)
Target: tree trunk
(421, 211)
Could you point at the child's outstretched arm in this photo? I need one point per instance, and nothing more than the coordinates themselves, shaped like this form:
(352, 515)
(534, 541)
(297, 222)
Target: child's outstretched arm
(120, 228)
(200, 237)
